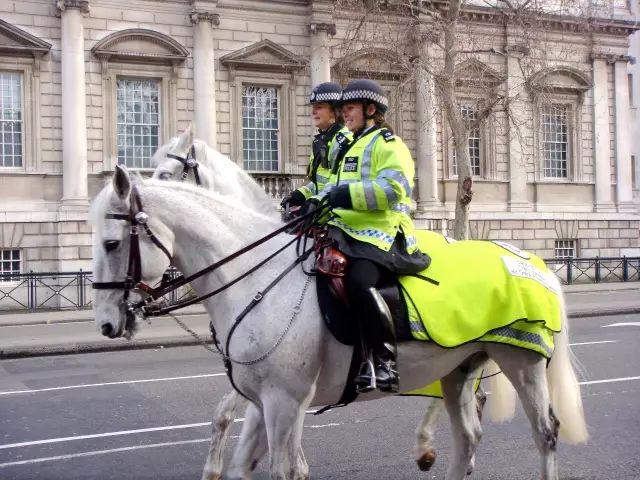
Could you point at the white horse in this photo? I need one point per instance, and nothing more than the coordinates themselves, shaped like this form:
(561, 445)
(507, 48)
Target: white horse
(300, 363)
(218, 173)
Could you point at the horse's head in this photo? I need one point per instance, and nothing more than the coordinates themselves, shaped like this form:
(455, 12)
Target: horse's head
(177, 160)
(125, 257)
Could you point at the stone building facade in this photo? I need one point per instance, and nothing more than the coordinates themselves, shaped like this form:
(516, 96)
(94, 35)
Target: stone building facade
(86, 84)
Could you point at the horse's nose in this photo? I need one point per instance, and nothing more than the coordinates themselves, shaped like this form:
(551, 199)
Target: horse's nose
(107, 329)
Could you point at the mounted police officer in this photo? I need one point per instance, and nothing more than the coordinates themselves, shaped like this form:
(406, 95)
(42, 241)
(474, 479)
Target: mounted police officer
(370, 192)
(325, 116)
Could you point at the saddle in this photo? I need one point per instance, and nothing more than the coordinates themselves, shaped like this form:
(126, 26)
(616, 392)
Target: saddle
(331, 265)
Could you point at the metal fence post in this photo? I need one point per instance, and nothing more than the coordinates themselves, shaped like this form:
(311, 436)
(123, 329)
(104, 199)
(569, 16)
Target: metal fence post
(569, 271)
(80, 282)
(625, 269)
(597, 269)
(31, 291)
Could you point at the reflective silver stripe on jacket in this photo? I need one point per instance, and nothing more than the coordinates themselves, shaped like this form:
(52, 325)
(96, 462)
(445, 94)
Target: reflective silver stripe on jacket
(403, 208)
(398, 177)
(369, 195)
(365, 167)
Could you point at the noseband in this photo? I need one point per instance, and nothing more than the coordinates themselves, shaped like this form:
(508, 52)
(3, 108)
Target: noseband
(189, 163)
(133, 281)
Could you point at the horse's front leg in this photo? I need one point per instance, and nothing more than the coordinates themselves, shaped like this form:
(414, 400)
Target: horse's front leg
(282, 416)
(222, 420)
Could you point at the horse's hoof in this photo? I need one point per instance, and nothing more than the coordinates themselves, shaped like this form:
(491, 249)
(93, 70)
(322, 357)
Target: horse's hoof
(471, 466)
(426, 461)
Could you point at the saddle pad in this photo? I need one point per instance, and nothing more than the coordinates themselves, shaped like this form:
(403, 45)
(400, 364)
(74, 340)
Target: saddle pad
(482, 291)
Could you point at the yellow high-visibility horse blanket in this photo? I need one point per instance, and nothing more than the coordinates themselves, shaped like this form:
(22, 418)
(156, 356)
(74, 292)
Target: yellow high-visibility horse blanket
(481, 291)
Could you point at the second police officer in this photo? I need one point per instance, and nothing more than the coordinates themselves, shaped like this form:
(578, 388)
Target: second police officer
(325, 116)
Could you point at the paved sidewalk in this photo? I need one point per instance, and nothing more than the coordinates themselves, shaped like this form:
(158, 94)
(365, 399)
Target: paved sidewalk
(46, 333)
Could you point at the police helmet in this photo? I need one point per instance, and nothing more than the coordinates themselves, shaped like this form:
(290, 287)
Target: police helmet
(327, 92)
(366, 91)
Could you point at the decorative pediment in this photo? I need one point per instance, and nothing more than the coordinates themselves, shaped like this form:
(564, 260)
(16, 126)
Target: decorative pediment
(371, 63)
(562, 80)
(140, 46)
(264, 55)
(474, 73)
(15, 41)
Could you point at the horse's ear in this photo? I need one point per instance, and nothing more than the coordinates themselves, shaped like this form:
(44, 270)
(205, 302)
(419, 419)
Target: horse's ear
(185, 140)
(121, 182)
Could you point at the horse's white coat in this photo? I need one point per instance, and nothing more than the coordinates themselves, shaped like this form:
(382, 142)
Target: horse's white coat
(218, 173)
(310, 366)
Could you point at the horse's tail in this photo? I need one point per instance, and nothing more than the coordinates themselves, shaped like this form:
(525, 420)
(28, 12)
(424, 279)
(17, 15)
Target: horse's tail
(564, 389)
(502, 401)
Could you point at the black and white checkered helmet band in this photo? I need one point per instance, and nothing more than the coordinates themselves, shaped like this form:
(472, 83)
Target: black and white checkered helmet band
(365, 94)
(325, 97)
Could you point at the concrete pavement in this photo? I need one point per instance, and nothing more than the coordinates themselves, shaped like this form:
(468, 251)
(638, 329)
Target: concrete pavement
(57, 332)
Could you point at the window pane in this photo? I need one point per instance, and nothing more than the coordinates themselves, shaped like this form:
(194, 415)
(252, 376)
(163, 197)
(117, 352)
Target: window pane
(555, 140)
(259, 126)
(470, 113)
(137, 121)
(565, 249)
(10, 261)
(10, 119)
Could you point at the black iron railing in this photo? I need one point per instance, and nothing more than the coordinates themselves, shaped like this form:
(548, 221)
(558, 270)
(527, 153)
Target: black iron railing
(596, 270)
(72, 290)
(58, 290)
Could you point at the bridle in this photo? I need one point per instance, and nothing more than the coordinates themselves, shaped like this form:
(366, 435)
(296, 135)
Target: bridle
(188, 163)
(133, 281)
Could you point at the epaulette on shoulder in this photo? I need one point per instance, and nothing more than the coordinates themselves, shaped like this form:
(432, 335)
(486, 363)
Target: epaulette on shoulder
(341, 138)
(387, 135)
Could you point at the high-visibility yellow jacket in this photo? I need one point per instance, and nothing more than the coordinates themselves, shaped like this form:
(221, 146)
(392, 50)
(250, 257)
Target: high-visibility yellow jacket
(379, 171)
(323, 172)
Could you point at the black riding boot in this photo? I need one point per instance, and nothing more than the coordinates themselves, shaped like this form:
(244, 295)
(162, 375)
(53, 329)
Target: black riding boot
(379, 367)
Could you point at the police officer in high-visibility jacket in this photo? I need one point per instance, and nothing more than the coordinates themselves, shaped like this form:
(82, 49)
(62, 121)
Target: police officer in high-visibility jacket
(370, 192)
(325, 116)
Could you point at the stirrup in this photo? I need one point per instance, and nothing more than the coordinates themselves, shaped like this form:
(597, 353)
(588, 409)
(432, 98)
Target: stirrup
(365, 381)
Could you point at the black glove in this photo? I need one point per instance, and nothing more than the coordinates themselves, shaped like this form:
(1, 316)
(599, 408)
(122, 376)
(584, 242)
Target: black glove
(309, 206)
(339, 197)
(294, 199)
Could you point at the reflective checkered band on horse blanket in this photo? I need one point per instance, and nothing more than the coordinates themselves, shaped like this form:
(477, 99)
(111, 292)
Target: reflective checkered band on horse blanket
(485, 292)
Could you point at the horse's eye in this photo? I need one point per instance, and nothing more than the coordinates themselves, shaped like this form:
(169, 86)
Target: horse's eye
(110, 245)
(165, 176)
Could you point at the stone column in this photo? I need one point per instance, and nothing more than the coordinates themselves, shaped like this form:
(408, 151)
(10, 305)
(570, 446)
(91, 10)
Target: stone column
(74, 111)
(320, 55)
(602, 137)
(204, 81)
(426, 147)
(624, 192)
(518, 200)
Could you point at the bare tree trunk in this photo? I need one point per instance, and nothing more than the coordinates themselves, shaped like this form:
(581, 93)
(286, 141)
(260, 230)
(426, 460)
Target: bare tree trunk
(459, 129)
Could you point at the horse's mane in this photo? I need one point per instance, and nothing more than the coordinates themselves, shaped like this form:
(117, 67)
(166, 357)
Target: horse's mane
(105, 199)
